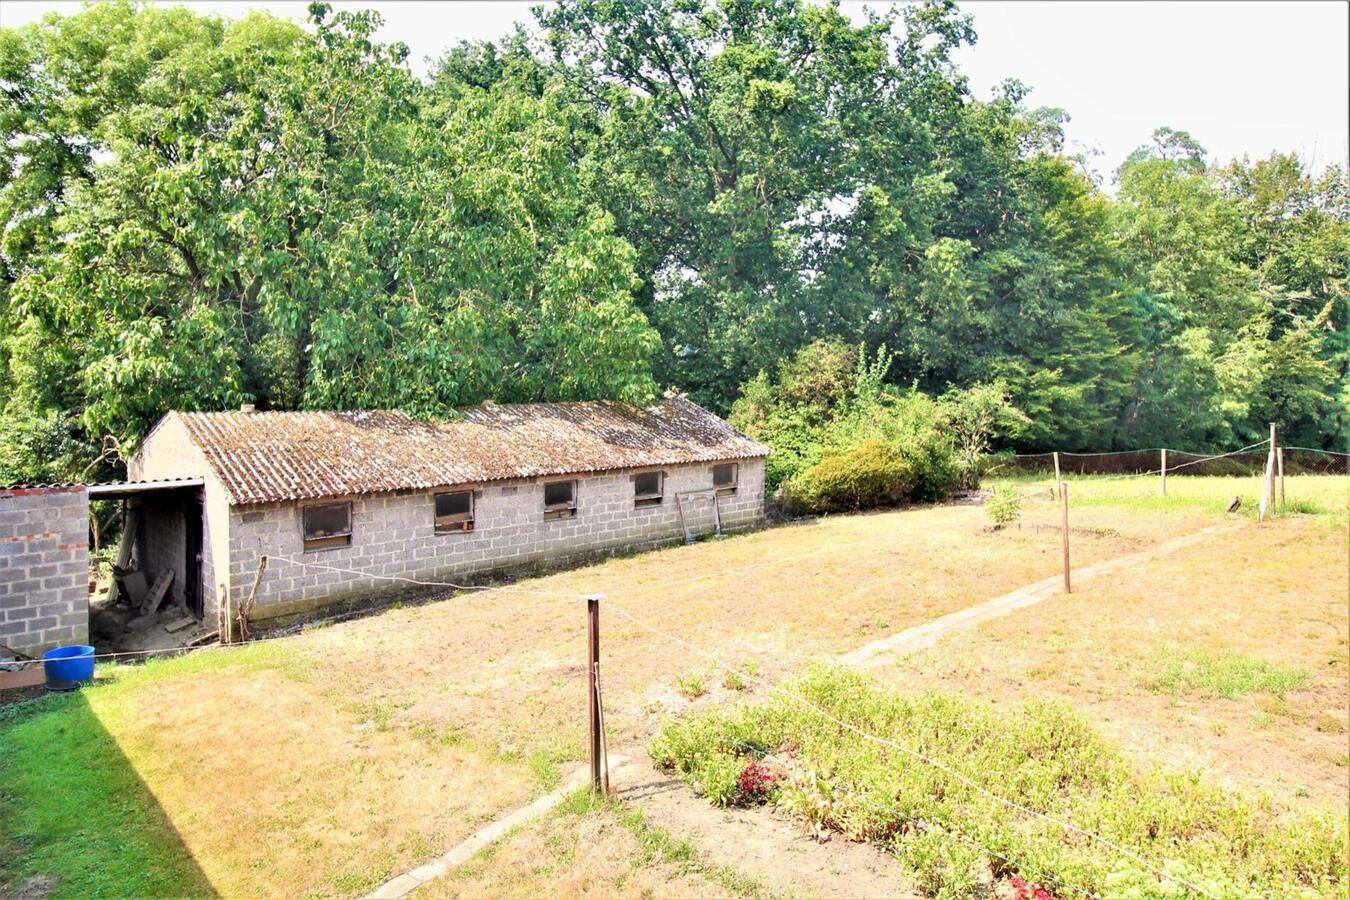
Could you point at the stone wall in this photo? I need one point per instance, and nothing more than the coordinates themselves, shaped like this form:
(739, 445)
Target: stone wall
(393, 534)
(44, 568)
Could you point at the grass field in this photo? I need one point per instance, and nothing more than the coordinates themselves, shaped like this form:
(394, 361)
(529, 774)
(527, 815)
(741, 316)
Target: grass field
(329, 761)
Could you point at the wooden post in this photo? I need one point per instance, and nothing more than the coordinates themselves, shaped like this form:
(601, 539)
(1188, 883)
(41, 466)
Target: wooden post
(1270, 473)
(1058, 484)
(227, 636)
(1279, 465)
(1164, 471)
(1064, 529)
(592, 666)
(246, 608)
(604, 738)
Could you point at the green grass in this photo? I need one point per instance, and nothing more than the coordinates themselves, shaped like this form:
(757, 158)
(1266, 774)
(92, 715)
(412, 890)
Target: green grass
(690, 687)
(1316, 495)
(1043, 755)
(75, 811)
(1223, 674)
(732, 681)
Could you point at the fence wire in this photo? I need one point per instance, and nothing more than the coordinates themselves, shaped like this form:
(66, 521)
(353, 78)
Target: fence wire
(1243, 463)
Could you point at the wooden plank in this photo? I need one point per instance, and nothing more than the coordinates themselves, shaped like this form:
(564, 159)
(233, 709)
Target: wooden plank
(684, 526)
(178, 625)
(157, 592)
(133, 520)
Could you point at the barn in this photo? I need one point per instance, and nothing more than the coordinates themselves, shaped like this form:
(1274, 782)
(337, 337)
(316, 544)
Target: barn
(343, 504)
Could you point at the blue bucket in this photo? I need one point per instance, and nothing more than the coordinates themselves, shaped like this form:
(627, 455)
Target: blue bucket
(66, 667)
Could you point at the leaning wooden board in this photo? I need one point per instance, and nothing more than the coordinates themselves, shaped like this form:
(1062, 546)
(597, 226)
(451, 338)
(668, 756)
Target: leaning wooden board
(157, 592)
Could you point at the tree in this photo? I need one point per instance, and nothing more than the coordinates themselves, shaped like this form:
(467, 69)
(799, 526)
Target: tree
(292, 219)
(1240, 272)
(740, 145)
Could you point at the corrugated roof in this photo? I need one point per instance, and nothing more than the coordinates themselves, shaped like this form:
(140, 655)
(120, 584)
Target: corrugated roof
(267, 456)
(108, 488)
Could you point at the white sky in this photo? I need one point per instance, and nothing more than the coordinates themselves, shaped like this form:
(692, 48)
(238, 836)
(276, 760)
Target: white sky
(1243, 77)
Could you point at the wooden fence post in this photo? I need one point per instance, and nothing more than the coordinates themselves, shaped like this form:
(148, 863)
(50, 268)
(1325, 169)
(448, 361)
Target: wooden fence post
(1058, 483)
(1164, 471)
(1279, 465)
(1269, 487)
(1064, 529)
(592, 666)
(246, 608)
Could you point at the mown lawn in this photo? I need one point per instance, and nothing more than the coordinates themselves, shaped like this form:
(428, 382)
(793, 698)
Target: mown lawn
(329, 761)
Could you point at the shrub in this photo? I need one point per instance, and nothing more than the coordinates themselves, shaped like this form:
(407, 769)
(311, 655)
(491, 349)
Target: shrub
(915, 426)
(872, 474)
(976, 416)
(1005, 505)
(1042, 755)
(757, 783)
(832, 398)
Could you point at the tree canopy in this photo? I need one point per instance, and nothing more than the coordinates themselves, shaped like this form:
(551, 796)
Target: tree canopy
(197, 212)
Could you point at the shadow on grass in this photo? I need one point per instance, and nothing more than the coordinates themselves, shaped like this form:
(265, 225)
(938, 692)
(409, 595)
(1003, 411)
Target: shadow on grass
(76, 820)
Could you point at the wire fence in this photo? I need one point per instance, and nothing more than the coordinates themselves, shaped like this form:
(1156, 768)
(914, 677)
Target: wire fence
(1245, 461)
(1240, 463)
(941, 765)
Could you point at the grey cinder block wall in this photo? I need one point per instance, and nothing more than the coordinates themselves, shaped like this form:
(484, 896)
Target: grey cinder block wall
(44, 567)
(394, 534)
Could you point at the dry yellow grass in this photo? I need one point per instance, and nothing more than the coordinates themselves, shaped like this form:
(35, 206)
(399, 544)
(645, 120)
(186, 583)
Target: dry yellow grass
(587, 852)
(324, 763)
(507, 669)
(1274, 593)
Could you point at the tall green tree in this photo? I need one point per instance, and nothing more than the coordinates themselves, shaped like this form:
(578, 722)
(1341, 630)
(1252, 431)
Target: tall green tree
(739, 144)
(260, 213)
(1240, 272)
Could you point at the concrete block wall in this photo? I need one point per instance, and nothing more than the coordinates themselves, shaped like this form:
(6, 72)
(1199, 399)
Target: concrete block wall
(168, 453)
(165, 545)
(44, 568)
(393, 534)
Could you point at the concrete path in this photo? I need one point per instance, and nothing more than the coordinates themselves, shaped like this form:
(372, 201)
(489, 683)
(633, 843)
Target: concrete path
(405, 884)
(922, 636)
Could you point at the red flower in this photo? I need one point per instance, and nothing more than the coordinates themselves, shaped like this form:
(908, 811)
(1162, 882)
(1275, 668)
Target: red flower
(757, 781)
(1025, 890)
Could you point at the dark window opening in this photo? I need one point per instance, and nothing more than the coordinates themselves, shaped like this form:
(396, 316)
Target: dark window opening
(327, 526)
(724, 478)
(560, 499)
(454, 512)
(647, 489)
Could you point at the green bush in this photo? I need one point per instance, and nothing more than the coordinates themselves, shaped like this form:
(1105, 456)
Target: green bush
(915, 426)
(1005, 505)
(871, 474)
(818, 409)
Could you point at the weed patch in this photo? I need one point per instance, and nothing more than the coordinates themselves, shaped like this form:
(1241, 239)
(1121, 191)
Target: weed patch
(690, 687)
(1043, 755)
(1224, 675)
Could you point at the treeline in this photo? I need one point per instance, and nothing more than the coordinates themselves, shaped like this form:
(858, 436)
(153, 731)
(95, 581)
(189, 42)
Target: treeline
(693, 194)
